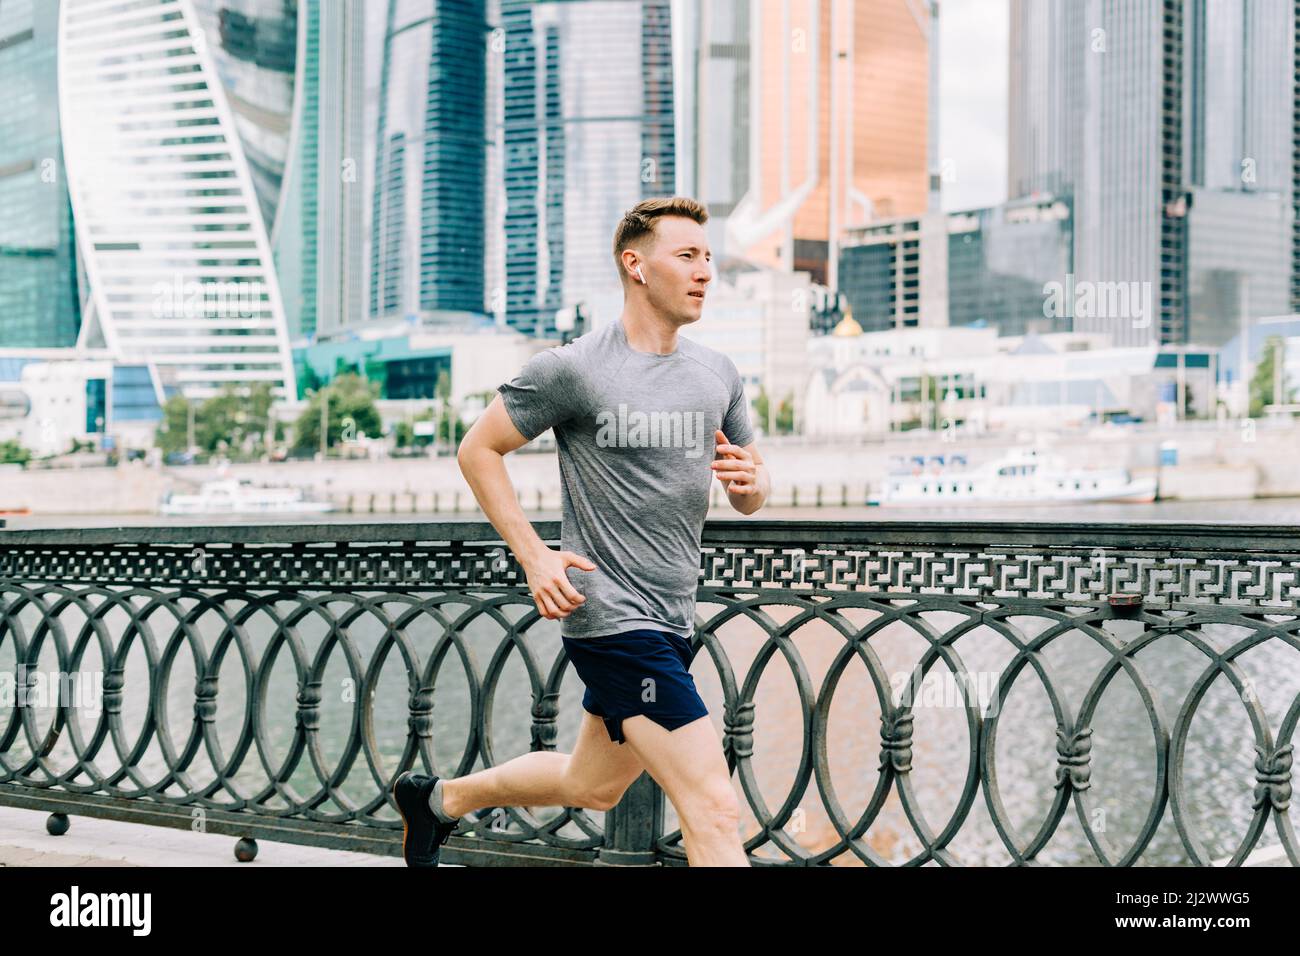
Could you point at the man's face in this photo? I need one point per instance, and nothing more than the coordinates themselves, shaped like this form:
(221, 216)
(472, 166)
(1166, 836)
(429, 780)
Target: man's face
(678, 268)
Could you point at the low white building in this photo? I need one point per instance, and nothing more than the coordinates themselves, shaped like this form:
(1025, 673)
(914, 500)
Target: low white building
(875, 382)
(49, 404)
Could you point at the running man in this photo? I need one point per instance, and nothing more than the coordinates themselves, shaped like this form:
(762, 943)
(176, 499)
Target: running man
(643, 422)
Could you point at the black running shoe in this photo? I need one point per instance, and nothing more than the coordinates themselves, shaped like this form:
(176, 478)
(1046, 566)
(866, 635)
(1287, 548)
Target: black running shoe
(423, 834)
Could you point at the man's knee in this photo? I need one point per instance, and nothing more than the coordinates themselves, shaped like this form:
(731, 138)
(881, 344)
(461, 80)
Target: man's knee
(605, 794)
(605, 798)
(713, 809)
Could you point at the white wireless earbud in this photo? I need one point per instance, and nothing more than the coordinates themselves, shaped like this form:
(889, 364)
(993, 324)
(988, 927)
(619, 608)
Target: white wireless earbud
(640, 275)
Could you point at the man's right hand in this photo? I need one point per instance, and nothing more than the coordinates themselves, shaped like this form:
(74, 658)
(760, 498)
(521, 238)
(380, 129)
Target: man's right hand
(549, 586)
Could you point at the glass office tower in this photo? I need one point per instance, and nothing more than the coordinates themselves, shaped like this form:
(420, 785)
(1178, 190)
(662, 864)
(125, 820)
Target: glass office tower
(39, 299)
(168, 221)
(427, 206)
(584, 128)
(1170, 125)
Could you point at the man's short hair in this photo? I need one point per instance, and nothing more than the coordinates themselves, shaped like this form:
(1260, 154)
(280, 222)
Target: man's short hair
(639, 221)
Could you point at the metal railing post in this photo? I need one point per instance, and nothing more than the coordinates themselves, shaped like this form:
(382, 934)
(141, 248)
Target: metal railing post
(634, 826)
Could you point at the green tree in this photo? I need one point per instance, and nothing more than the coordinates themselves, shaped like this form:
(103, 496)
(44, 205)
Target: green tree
(761, 407)
(785, 415)
(12, 453)
(308, 381)
(451, 429)
(172, 434)
(1263, 388)
(404, 431)
(236, 419)
(926, 395)
(351, 410)
(233, 421)
(784, 423)
(931, 410)
(446, 427)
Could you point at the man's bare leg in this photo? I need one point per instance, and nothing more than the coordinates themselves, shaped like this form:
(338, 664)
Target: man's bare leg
(593, 776)
(689, 765)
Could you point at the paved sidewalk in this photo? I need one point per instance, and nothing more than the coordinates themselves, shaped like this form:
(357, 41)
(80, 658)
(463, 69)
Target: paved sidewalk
(1274, 855)
(91, 842)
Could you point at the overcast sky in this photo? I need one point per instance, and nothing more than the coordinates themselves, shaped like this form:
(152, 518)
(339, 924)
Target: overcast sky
(973, 101)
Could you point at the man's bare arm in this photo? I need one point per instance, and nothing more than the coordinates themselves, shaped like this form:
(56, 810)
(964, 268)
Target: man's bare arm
(482, 461)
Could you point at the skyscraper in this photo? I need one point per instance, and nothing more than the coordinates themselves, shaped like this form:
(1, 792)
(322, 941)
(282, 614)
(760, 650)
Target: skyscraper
(427, 211)
(293, 73)
(167, 220)
(1096, 113)
(1240, 129)
(319, 236)
(39, 292)
(584, 129)
(837, 94)
(1169, 123)
(254, 47)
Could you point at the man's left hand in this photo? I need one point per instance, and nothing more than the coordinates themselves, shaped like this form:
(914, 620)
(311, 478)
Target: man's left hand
(736, 468)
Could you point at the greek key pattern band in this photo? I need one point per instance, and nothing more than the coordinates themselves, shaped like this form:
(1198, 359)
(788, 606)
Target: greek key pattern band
(1066, 575)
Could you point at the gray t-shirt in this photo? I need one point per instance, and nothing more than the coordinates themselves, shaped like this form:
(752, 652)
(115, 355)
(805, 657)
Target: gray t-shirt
(634, 433)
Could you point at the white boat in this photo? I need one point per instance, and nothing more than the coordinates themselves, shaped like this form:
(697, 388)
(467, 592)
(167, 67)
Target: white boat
(230, 496)
(1022, 476)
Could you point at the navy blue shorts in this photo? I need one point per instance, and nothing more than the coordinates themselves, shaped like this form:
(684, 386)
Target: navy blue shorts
(637, 672)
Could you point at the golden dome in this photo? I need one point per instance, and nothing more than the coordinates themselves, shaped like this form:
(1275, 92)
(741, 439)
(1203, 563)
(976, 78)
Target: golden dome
(846, 326)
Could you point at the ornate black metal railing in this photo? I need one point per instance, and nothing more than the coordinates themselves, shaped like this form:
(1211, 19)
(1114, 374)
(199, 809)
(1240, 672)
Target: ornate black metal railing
(421, 602)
